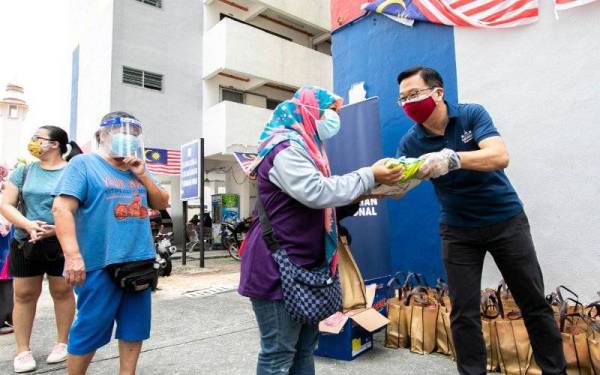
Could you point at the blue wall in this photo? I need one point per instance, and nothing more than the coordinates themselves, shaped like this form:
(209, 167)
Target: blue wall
(361, 121)
(375, 49)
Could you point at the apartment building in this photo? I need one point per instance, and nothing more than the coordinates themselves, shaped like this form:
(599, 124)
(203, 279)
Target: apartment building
(191, 68)
(257, 53)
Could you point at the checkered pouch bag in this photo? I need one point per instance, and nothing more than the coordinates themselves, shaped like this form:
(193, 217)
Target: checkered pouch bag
(309, 296)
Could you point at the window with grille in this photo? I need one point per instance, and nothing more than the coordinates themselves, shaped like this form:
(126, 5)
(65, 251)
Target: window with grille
(137, 77)
(232, 95)
(154, 3)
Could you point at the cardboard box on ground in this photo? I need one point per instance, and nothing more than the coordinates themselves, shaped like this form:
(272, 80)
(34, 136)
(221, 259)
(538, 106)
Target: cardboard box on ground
(349, 332)
(366, 317)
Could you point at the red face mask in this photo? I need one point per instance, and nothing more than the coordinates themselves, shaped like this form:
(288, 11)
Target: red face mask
(420, 110)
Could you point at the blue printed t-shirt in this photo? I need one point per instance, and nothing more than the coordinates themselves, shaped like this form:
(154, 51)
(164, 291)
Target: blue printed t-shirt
(37, 193)
(112, 220)
(468, 198)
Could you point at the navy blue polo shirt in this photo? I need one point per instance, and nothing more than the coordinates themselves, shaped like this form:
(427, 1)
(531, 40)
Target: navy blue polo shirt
(468, 198)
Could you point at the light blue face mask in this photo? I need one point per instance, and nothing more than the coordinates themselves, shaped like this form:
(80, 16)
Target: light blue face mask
(124, 145)
(329, 125)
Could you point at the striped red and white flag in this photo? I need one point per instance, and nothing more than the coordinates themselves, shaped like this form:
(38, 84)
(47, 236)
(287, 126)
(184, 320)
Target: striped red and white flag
(470, 13)
(163, 161)
(568, 4)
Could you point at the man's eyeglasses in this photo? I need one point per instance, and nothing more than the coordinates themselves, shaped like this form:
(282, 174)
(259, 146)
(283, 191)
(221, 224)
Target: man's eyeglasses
(412, 95)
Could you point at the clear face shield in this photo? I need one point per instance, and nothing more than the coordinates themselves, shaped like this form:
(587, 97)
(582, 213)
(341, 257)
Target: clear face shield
(121, 137)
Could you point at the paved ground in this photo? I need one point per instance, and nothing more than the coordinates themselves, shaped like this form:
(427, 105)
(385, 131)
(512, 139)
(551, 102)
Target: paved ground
(197, 332)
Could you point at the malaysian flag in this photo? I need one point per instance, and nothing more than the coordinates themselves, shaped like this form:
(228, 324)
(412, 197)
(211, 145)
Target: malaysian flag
(163, 161)
(245, 160)
(568, 4)
(471, 13)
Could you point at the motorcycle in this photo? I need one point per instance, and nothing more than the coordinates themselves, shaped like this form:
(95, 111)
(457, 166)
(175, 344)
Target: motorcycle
(164, 251)
(232, 235)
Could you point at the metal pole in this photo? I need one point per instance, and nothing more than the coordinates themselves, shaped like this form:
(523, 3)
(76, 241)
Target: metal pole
(185, 220)
(201, 176)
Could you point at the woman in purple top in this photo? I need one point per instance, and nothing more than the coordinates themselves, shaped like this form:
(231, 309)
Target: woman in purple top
(299, 194)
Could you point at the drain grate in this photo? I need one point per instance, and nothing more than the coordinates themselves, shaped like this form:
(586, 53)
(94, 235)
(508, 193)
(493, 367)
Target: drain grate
(202, 293)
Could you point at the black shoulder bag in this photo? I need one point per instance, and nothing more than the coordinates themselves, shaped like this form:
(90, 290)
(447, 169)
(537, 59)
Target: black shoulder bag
(46, 250)
(308, 295)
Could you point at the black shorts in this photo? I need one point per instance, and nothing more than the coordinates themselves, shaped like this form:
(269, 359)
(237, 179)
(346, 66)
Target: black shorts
(19, 266)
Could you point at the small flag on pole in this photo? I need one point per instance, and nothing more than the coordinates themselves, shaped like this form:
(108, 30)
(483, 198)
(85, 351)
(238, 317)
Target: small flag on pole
(245, 160)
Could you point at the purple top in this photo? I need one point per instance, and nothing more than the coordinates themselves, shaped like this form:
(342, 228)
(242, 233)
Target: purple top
(299, 229)
(294, 193)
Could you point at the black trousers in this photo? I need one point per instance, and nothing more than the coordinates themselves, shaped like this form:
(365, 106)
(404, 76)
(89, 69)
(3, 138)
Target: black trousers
(511, 246)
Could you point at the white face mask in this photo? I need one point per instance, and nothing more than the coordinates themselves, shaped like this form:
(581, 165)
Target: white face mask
(329, 125)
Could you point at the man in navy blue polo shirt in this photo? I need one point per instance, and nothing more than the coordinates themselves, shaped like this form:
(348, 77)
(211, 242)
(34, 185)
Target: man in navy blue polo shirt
(464, 159)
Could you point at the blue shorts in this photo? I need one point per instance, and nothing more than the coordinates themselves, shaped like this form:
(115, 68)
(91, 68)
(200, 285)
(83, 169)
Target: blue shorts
(100, 302)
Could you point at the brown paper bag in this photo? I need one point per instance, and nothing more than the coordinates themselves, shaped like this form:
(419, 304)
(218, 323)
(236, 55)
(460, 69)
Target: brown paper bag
(490, 338)
(397, 332)
(423, 328)
(351, 280)
(399, 312)
(491, 310)
(574, 331)
(508, 302)
(443, 333)
(514, 348)
(442, 292)
(577, 354)
(392, 339)
(533, 368)
(594, 348)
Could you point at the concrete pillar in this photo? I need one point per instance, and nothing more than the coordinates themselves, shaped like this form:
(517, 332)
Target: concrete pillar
(232, 181)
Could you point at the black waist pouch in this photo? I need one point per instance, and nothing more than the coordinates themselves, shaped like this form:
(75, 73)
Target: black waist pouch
(134, 277)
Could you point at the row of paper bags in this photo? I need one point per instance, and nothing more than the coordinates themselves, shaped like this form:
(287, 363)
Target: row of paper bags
(419, 317)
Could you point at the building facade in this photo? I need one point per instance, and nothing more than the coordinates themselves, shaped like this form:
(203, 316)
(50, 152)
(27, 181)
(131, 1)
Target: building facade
(145, 58)
(190, 68)
(256, 54)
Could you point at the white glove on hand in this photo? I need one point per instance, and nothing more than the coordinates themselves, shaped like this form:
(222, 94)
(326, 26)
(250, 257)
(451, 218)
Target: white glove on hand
(438, 164)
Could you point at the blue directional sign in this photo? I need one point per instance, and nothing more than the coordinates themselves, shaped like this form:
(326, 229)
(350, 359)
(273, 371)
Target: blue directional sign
(191, 162)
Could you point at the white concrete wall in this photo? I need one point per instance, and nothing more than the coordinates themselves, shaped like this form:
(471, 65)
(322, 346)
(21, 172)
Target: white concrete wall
(541, 84)
(212, 95)
(230, 126)
(297, 37)
(93, 32)
(167, 41)
(314, 12)
(273, 93)
(212, 13)
(212, 16)
(235, 47)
